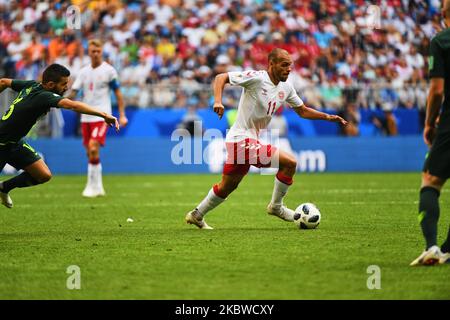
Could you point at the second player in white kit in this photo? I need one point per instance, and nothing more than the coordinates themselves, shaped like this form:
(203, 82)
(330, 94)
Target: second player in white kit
(96, 81)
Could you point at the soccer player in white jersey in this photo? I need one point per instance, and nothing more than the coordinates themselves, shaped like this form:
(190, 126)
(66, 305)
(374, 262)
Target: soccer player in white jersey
(264, 92)
(96, 82)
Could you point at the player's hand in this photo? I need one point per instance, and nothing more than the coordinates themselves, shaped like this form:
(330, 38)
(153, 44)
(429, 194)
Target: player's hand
(219, 109)
(112, 122)
(429, 133)
(336, 118)
(123, 120)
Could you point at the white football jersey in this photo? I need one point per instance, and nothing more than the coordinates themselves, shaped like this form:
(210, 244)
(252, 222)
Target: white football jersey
(96, 86)
(259, 101)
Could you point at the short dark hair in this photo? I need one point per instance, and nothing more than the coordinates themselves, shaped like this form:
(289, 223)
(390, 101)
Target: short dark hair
(54, 72)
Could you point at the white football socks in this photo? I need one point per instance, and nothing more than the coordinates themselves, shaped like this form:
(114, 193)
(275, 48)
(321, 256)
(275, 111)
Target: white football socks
(279, 191)
(94, 176)
(90, 175)
(210, 202)
(98, 176)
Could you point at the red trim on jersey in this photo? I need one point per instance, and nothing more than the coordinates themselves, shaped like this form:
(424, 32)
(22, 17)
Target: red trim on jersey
(284, 178)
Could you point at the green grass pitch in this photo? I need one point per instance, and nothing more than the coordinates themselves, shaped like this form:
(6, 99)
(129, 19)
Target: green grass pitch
(367, 219)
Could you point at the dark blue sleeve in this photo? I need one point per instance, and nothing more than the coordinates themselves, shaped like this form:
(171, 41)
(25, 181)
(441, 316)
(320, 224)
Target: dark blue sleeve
(114, 84)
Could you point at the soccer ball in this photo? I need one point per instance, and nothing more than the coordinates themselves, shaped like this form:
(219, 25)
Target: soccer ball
(307, 216)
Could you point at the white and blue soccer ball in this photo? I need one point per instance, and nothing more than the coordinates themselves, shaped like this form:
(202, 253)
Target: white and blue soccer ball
(307, 216)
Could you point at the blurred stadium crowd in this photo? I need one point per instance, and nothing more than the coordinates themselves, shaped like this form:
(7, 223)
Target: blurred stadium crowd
(167, 52)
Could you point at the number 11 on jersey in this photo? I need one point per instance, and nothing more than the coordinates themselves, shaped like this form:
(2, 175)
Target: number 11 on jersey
(272, 105)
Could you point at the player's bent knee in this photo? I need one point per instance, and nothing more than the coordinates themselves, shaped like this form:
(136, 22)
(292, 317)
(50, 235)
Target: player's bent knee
(289, 164)
(432, 181)
(43, 177)
(429, 178)
(93, 146)
(93, 149)
(292, 164)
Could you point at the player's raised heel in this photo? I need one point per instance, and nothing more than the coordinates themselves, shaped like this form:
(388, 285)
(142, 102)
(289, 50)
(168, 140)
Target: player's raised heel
(281, 212)
(429, 257)
(194, 218)
(445, 258)
(6, 199)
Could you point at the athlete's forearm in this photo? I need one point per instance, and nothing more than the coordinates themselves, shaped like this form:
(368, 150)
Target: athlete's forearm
(120, 103)
(433, 107)
(310, 113)
(80, 107)
(4, 83)
(434, 101)
(219, 83)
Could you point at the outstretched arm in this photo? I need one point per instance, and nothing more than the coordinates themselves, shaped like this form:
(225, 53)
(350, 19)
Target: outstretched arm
(219, 83)
(5, 83)
(81, 107)
(309, 113)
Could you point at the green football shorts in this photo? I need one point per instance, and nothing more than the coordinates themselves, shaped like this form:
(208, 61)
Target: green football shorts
(437, 162)
(18, 154)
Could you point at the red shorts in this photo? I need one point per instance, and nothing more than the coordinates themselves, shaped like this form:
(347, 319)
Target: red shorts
(249, 152)
(94, 131)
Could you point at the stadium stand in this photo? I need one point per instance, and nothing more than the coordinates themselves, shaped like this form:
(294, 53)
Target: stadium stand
(169, 51)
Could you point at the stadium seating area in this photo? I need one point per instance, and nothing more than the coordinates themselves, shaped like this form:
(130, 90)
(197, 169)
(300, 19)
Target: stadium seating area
(343, 54)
